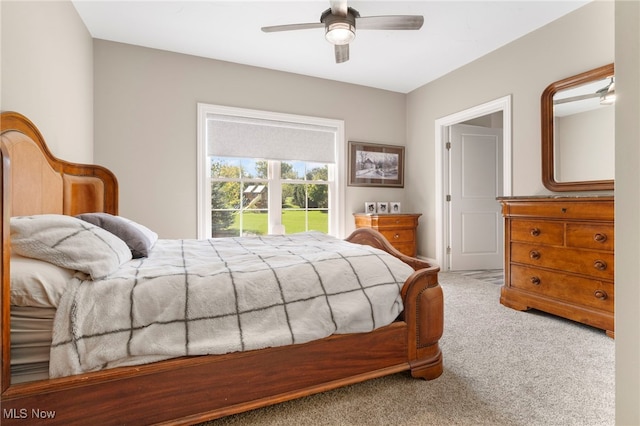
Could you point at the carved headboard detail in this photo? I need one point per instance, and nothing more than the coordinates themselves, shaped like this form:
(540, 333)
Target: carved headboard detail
(76, 189)
(30, 193)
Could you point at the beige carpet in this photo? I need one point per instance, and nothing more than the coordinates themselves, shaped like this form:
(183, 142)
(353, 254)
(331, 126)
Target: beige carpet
(501, 367)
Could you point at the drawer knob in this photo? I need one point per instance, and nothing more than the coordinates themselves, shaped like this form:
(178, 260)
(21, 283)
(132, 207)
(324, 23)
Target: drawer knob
(534, 254)
(535, 232)
(600, 238)
(600, 265)
(600, 294)
(396, 236)
(535, 280)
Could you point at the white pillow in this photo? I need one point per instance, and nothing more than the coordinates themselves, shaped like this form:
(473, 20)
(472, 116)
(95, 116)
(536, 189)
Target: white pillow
(69, 242)
(37, 283)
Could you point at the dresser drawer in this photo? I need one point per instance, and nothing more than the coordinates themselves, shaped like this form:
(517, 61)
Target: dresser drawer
(581, 291)
(399, 235)
(395, 222)
(587, 235)
(562, 209)
(406, 248)
(586, 262)
(539, 232)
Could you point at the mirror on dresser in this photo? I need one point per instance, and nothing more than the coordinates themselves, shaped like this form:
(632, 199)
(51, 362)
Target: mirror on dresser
(578, 132)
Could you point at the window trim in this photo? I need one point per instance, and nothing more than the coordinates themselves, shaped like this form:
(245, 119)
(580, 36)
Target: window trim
(203, 178)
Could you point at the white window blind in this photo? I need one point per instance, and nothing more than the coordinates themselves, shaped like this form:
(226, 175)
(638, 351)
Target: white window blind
(233, 136)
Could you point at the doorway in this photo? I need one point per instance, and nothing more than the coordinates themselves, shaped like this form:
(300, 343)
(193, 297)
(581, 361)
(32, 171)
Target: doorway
(468, 222)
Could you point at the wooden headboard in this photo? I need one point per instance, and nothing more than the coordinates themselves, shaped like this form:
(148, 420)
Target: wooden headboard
(36, 182)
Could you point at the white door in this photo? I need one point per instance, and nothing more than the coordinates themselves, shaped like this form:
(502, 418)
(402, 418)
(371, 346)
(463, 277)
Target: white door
(476, 225)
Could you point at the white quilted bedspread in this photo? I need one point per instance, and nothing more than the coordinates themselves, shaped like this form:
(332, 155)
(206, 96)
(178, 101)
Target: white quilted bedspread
(197, 297)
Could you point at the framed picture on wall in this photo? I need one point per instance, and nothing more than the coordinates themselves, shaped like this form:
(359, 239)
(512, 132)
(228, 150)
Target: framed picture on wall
(376, 165)
(383, 207)
(395, 207)
(369, 207)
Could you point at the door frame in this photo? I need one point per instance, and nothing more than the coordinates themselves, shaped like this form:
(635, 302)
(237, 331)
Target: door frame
(442, 220)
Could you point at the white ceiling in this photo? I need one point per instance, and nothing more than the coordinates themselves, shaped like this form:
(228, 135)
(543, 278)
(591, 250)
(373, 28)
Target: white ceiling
(454, 34)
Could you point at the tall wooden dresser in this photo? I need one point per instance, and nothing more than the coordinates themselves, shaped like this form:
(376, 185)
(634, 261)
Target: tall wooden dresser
(559, 257)
(398, 229)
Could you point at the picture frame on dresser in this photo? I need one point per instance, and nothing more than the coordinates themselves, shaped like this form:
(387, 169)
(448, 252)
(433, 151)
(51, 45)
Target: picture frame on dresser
(376, 165)
(370, 207)
(382, 207)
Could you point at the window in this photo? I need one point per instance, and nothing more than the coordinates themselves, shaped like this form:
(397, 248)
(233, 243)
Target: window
(262, 172)
(241, 203)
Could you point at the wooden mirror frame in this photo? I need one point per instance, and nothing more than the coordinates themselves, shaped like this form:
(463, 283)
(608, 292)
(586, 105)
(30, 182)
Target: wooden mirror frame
(548, 174)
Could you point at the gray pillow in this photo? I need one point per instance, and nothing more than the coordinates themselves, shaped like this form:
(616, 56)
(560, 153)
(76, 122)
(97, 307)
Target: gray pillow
(139, 238)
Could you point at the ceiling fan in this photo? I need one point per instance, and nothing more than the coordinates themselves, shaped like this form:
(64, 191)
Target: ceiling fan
(340, 22)
(607, 94)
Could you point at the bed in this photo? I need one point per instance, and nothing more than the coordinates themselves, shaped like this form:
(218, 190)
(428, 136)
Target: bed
(187, 387)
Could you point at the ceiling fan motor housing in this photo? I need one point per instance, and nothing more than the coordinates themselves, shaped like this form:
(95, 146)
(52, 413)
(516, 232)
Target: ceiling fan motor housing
(340, 30)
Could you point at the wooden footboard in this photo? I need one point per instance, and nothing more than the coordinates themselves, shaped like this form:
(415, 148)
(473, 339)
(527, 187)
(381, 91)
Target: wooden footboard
(423, 307)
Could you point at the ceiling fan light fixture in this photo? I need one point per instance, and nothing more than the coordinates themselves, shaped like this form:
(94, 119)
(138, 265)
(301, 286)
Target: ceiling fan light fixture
(609, 97)
(608, 94)
(339, 30)
(339, 33)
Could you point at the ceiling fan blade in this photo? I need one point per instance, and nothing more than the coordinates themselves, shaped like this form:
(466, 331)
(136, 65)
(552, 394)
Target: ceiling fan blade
(342, 53)
(390, 22)
(292, 27)
(576, 98)
(339, 7)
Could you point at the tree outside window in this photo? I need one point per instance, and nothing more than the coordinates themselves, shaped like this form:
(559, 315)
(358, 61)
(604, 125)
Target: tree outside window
(240, 203)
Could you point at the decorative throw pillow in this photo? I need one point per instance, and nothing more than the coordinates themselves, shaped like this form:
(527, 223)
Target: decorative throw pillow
(68, 242)
(138, 237)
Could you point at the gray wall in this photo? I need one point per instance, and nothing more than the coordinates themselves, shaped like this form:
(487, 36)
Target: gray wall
(145, 124)
(627, 212)
(47, 73)
(575, 43)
